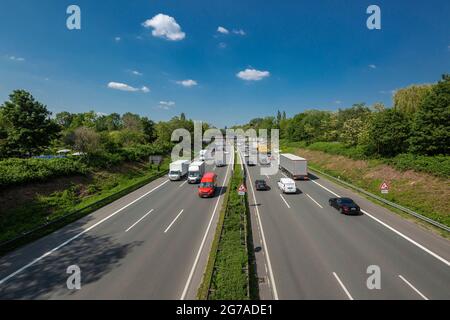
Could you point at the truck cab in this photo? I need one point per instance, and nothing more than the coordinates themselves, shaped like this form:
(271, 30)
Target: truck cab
(196, 171)
(207, 187)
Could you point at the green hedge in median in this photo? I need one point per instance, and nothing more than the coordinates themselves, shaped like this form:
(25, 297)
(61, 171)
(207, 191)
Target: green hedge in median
(230, 280)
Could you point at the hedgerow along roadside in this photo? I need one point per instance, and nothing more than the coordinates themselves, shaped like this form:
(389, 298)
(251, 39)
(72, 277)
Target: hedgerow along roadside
(50, 213)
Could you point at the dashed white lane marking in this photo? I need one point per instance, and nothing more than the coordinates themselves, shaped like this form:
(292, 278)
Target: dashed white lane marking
(446, 262)
(181, 185)
(197, 257)
(314, 200)
(174, 220)
(415, 289)
(342, 286)
(77, 236)
(287, 204)
(139, 221)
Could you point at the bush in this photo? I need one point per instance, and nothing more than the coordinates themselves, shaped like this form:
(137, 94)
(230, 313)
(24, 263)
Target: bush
(437, 165)
(337, 148)
(17, 171)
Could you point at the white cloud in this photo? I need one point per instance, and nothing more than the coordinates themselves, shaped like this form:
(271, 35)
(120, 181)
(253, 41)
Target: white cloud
(223, 30)
(165, 27)
(239, 32)
(338, 102)
(188, 83)
(392, 92)
(14, 58)
(117, 39)
(253, 75)
(166, 105)
(126, 87)
(136, 73)
(222, 45)
(372, 66)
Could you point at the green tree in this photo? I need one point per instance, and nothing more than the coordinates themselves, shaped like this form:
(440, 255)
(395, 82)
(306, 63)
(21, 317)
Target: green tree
(27, 127)
(86, 140)
(409, 100)
(431, 123)
(388, 133)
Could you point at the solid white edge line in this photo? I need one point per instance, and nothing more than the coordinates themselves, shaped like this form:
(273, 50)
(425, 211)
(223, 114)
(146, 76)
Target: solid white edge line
(174, 220)
(134, 224)
(313, 200)
(287, 204)
(78, 235)
(415, 289)
(197, 257)
(342, 286)
(269, 264)
(333, 193)
(408, 238)
(395, 231)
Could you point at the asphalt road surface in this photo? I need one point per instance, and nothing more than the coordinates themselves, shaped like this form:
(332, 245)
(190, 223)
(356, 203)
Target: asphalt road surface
(150, 244)
(311, 251)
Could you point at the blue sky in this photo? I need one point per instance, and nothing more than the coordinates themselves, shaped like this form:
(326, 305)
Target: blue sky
(310, 54)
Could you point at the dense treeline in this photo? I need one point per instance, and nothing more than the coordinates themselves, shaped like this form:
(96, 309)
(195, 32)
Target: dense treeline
(27, 130)
(417, 124)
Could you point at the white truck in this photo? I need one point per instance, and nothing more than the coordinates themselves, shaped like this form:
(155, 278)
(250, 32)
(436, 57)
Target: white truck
(295, 166)
(196, 171)
(178, 170)
(202, 156)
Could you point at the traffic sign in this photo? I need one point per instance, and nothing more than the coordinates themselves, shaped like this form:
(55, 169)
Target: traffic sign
(384, 188)
(242, 190)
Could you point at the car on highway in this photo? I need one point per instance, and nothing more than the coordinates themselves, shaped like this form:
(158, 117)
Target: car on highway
(287, 185)
(261, 185)
(264, 160)
(219, 163)
(345, 205)
(207, 187)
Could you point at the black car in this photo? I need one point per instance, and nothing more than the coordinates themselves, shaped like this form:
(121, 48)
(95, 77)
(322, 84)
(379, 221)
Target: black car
(261, 185)
(345, 205)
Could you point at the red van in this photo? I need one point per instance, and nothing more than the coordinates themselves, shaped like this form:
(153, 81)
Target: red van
(207, 187)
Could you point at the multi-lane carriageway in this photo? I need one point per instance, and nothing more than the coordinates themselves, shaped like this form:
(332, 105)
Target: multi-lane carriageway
(310, 251)
(154, 243)
(150, 244)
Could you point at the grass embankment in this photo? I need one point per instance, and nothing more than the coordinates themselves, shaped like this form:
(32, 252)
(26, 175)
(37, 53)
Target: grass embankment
(227, 272)
(424, 193)
(29, 206)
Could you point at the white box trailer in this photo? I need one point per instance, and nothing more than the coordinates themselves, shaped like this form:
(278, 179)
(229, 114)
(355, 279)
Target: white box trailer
(178, 169)
(295, 166)
(196, 171)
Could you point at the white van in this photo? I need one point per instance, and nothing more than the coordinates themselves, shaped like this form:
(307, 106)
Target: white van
(287, 185)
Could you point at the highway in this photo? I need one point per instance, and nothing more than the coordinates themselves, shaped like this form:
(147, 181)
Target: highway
(151, 244)
(154, 244)
(311, 251)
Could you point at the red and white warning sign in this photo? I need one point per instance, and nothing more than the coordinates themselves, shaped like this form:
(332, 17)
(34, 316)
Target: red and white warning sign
(242, 190)
(384, 188)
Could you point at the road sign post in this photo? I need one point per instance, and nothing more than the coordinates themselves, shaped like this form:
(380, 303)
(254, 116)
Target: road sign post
(384, 188)
(242, 190)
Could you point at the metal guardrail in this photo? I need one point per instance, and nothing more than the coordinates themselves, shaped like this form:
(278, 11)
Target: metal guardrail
(11, 244)
(390, 203)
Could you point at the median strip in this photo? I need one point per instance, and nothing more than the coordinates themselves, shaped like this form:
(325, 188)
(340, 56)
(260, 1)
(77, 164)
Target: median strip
(227, 274)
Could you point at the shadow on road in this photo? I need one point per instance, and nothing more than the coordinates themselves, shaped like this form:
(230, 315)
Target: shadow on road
(94, 255)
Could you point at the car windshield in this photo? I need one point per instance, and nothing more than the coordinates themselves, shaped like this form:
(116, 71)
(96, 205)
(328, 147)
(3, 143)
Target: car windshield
(174, 172)
(206, 185)
(194, 174)
(347, 201)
